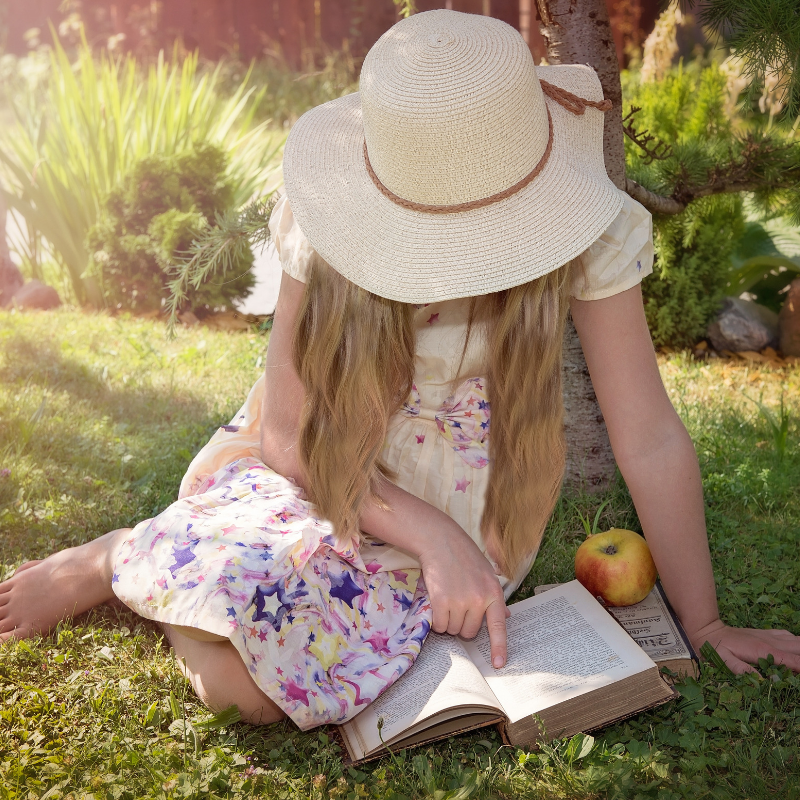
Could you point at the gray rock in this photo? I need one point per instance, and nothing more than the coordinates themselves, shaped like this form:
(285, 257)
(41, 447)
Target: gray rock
(36, 294)
(743, 325)
(11, 281)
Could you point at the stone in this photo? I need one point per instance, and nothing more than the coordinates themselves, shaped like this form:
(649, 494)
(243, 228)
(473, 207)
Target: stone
(36, 294)
(11, 281)
(743, 325)
(789, 320)
(188, 318)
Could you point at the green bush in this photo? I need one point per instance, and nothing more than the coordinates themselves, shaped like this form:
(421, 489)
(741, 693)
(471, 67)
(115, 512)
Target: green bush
(687, 112)
(78, 132)
(158, 209)
(693, 256)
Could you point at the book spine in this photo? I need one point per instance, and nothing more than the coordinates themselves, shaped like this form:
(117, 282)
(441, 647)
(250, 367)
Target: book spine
(678, 626)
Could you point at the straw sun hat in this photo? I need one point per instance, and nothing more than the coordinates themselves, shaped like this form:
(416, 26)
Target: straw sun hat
(458, 169)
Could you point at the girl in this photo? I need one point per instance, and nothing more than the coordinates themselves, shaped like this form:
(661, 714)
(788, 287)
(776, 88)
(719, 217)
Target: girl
(395, 467)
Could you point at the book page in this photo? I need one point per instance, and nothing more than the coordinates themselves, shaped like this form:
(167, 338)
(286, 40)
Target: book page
(649, 623)
(561, 644)
(442, 677)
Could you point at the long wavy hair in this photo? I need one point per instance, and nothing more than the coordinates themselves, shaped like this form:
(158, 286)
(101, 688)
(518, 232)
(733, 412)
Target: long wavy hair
(355, 353)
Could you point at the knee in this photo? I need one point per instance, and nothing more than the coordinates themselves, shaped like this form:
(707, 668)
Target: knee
(218, 689)
(113, 542)
(220, 679)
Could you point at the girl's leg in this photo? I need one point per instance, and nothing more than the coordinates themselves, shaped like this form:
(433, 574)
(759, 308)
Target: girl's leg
(220, 678)
(42, 593)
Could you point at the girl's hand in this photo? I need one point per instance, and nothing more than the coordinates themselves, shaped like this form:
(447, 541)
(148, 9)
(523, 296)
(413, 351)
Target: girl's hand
(463, 587)
(460, 580)
(741, 647)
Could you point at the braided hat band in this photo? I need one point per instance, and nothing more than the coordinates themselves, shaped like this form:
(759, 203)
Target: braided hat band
(573, 103)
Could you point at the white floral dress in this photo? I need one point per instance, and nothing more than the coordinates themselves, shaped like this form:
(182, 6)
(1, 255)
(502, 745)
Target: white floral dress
(325, 627)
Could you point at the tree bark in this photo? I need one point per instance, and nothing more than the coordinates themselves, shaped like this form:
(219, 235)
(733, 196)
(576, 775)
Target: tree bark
(579, 32)
(590, 461)
(656, 203)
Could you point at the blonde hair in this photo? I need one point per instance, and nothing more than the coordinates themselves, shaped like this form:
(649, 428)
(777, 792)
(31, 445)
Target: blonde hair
(526, 434)
(354, 353)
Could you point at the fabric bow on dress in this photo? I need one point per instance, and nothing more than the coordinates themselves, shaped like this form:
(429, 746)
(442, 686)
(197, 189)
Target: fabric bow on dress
(462, 419)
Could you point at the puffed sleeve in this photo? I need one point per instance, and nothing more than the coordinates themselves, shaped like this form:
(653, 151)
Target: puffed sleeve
(620, 258)
(294, 250)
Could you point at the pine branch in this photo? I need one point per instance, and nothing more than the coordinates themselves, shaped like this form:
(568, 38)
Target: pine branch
(216, 250)
(766, 34)
(754, 164)
(655, 203)
(750, 170)
(659, 152)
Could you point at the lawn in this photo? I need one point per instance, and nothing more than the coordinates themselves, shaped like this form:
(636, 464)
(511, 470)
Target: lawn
(99, 416)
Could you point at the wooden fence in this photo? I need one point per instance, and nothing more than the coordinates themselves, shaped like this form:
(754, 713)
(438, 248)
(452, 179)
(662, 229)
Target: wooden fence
(290, 29)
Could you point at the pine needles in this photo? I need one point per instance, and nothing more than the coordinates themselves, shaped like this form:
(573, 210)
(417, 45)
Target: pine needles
(216, 250)
(699, 150)
(766, 34)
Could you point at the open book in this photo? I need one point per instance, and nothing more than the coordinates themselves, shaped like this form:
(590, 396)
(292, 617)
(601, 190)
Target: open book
(655, 628)
(571, 667)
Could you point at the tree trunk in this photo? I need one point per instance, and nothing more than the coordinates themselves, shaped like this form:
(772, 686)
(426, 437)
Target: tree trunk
(590, 462)
(579, 32)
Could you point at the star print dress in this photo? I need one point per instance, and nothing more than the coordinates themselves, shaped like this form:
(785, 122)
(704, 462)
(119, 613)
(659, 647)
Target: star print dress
(324, 626)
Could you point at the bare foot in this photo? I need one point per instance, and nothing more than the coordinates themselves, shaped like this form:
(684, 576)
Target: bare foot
(42, 593)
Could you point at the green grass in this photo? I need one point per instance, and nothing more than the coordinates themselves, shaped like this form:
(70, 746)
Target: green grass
(99, 417)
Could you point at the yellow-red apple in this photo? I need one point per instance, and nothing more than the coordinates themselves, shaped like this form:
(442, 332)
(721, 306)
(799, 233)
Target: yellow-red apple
(616, 566)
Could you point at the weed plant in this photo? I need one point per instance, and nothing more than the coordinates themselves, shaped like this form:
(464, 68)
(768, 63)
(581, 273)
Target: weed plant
(100, 416)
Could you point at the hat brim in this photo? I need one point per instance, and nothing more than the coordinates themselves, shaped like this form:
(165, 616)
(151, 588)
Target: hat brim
(418, 257)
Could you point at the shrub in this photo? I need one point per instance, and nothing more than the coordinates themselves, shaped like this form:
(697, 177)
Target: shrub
(156, 212)
(687, 112)
(693, 255)
(74, 141)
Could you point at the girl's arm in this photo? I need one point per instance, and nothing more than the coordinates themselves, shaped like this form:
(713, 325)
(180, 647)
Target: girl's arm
(659, 464)
(461, 584)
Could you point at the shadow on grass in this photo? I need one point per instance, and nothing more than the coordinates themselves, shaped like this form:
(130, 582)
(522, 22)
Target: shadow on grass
(41, 363)
(93, 456)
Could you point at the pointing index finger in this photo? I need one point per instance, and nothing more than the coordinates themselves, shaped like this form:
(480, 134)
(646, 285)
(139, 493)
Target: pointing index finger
(496, 625)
